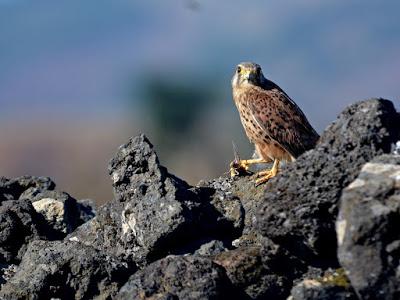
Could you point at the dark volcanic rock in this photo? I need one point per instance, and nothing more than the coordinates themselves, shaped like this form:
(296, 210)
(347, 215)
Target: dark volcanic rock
(211, 248)
(65, 270)
(158, 207)
(236, 200)
(153, 213)
(59, 209)
(368, 229)
(19, 225)
(11, 189)
(247, 272)
(87, 210)
(136, 172)
(301, 204)
(331, 285)
(61, 212)
(180, 277)
(6, 272)
(224, 207)
(161, 238)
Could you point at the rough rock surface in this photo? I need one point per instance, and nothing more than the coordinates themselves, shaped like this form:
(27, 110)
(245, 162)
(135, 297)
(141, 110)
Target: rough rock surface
(301, 204)
(211, 248)
(152, 209)
(154, 213)
(19, 224)
(332, 284)
(65, 270)
(247, 272)
(368, 229)
(11, 189)
(6, 272)
(180, 277)
(161, 238)
(236, 201)
(86, 209)
(31, 209)
(59, 209)
(396, 148)
(61, 212)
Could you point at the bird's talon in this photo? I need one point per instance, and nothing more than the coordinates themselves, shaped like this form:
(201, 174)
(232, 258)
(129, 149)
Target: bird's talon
(264, 173)
(262, 180)
(264, 176)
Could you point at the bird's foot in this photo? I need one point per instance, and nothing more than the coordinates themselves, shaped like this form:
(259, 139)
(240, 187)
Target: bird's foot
(266, 175)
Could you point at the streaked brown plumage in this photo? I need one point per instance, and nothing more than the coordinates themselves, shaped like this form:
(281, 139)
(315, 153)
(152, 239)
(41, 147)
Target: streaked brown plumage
(272, 121)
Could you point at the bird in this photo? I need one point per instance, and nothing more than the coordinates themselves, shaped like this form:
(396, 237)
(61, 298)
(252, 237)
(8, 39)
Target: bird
(273, 122)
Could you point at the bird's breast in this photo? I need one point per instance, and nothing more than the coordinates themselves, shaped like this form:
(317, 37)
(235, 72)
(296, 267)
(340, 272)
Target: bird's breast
(253, 131)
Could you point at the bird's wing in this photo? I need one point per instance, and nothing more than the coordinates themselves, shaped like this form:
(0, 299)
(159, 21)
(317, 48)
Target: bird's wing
(282, 120)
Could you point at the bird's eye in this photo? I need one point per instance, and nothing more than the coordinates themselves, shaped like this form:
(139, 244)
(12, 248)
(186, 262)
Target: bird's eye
(258, 70)
(239, 69)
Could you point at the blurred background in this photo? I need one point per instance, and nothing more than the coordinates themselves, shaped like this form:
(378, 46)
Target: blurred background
(78, 78)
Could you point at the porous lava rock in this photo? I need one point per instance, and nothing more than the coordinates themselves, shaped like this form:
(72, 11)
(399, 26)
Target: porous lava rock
(65, 270)
(300, 205)
(180, 277)
(367, 229)
(161, 238)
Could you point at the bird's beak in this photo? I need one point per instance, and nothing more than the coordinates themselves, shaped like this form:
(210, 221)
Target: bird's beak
(246, 74)
(249, 75)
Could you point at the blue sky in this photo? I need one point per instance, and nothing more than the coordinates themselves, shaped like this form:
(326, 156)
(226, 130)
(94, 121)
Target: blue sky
(80, 57)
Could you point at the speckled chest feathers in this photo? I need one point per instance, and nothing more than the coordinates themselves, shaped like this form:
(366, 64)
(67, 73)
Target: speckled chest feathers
(249, 105)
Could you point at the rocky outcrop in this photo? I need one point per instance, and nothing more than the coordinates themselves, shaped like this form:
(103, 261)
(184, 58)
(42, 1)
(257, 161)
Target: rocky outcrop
(334, 285)
(367, 229)
(61, 212)
(155, 214)
(160, 238)
(31, 209)
(12, 189)
(19, 225)
(259, 277)
(180, 277)
(65, 270)
(300, 206)
(151, 211)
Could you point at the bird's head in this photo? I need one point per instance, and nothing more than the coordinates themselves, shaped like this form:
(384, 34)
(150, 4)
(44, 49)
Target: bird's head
(247, 73)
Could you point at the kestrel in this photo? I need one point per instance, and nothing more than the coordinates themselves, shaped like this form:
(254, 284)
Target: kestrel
(272, 121)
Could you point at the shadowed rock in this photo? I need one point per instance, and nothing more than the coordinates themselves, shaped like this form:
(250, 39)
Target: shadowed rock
(247, 272)
(229, 239)
(59, 209)
(180, 277)
(300, 205)
(65, 270)
(19, 225)
(211, 248)
(368, 229)
(155, 213)
(152, 211)
(37, 212)
(11, 189)
(333, 286)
